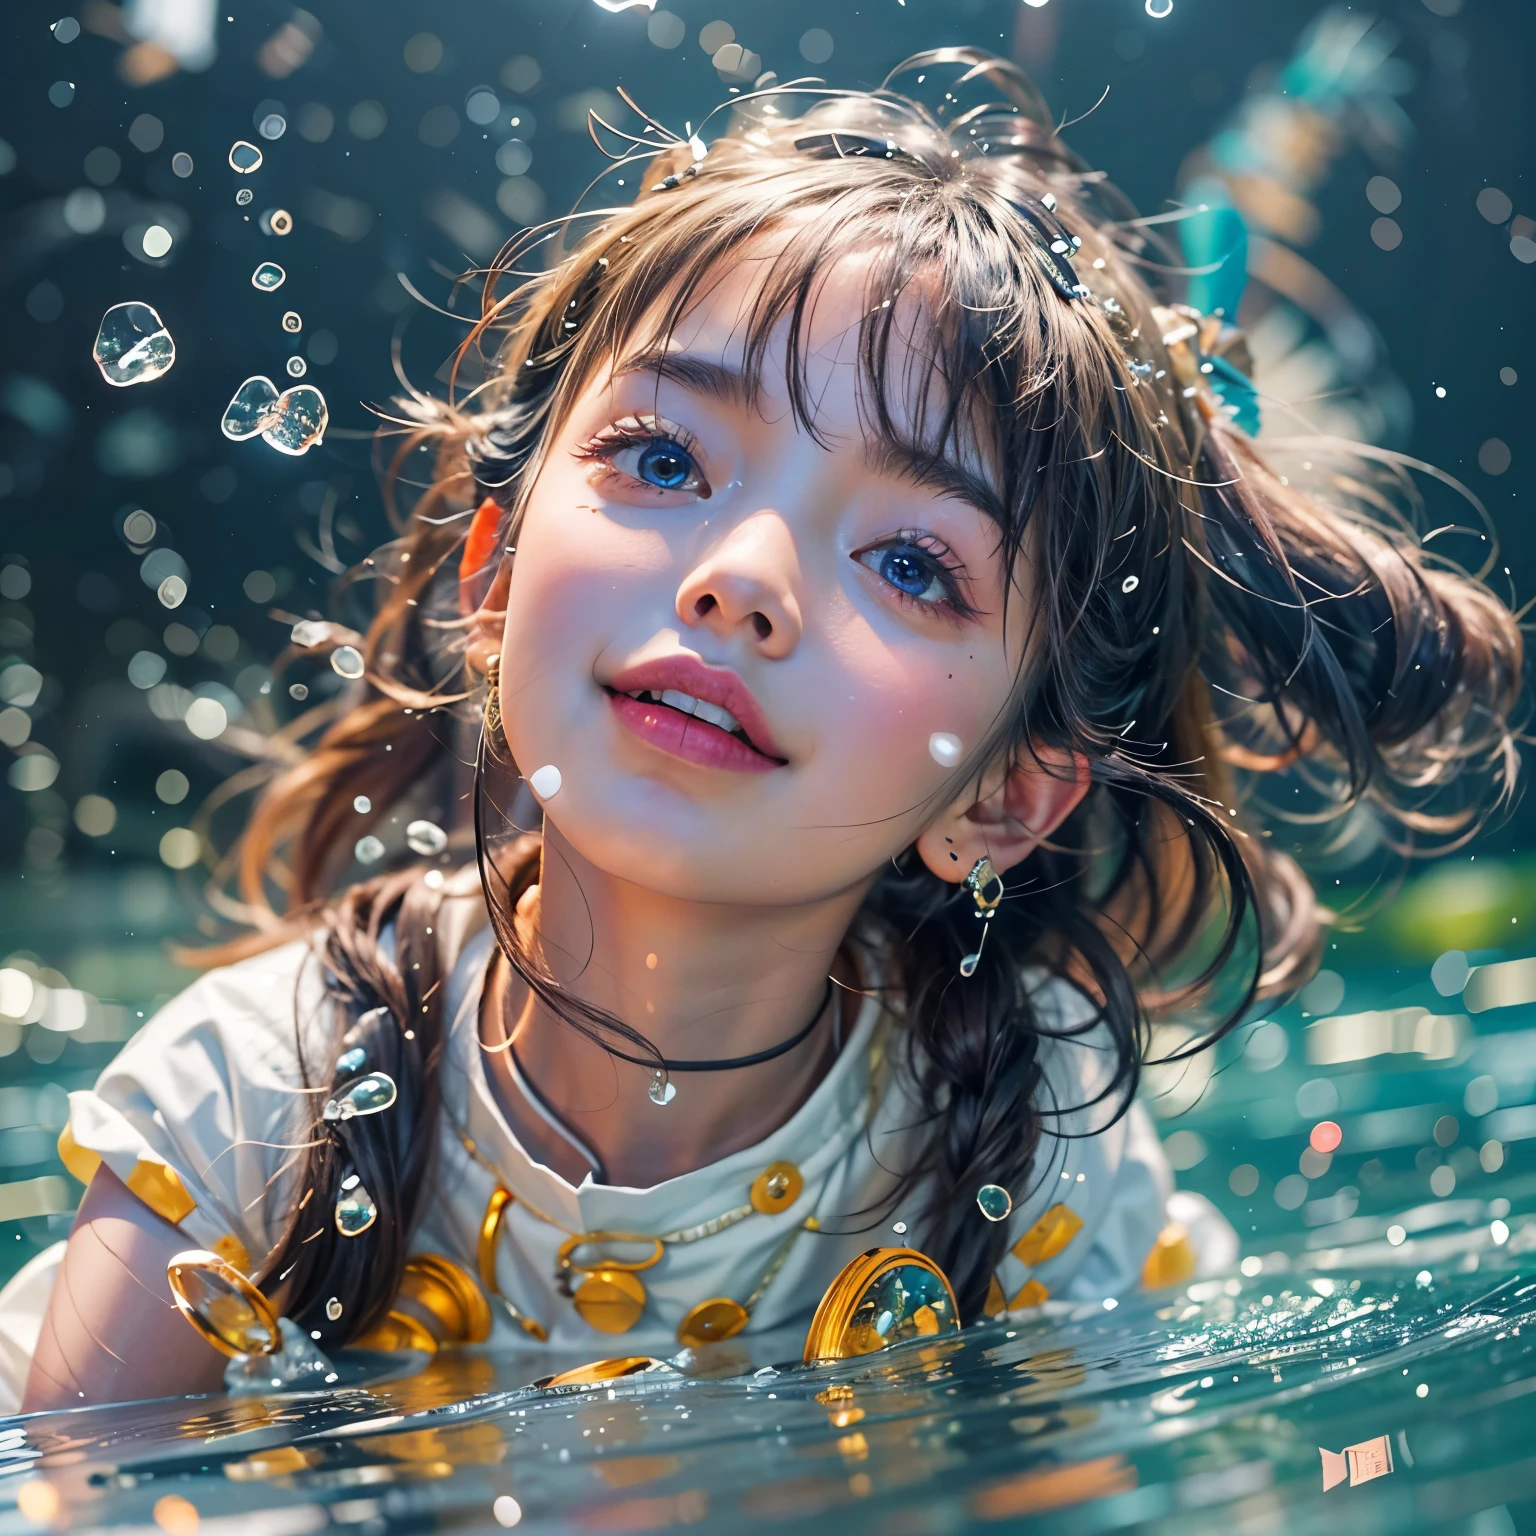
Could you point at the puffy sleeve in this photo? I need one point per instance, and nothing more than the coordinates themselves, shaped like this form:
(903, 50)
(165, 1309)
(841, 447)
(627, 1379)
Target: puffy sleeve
(1102, 1217)
(203, 1114)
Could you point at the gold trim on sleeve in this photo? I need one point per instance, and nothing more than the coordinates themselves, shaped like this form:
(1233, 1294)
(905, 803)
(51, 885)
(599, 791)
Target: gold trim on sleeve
(80, 1161)
(159, 1186)
(1172, 1260)
(1030, 1294)
(1049, 1236)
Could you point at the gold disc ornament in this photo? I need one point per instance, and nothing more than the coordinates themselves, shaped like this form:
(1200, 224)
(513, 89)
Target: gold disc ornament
(884, 1297)
(711, 1321)
(610, 1300)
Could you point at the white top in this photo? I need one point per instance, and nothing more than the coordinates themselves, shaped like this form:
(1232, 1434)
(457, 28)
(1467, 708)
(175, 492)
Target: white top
(211, 1089)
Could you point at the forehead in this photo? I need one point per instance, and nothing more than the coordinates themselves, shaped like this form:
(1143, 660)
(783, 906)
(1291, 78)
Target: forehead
(796, 331)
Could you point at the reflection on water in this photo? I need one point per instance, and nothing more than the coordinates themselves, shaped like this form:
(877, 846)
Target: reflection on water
(1189, 1412)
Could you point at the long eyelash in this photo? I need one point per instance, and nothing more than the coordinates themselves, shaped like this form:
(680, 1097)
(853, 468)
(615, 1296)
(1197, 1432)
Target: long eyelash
(633, 432)
(951, 566)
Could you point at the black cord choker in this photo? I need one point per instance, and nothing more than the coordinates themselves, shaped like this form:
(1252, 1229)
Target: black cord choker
(729, 1063)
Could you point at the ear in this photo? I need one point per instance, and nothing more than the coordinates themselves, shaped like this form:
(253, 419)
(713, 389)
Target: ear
(483, 589)
(1009, 818)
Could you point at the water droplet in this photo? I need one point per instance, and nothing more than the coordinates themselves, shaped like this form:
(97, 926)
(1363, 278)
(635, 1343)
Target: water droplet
(333, 1309)
(293, 322)
(347, 661)
(251, 409)
(133, 345)
(368, 1095)
(945, 749)
(297, 367)
(426, 838)
(268, 276)
(545, 782)
(350, 1061)
(65, 30)
(662, 1090)
(244, 197)
(300, 420)
(244, 157)
(355, 1212)
(1130, 583)
(369, 850)
(995, 1202)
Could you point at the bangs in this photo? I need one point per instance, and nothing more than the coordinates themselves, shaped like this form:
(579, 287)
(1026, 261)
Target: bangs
(962, 335)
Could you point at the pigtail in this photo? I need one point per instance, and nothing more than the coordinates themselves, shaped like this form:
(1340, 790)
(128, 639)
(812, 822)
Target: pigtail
(385, 984)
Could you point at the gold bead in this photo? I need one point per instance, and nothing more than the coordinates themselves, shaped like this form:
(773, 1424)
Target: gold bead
(776, 1188)
(712, 1320)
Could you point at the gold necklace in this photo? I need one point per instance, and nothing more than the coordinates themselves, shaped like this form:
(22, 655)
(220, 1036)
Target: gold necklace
(610, 1297)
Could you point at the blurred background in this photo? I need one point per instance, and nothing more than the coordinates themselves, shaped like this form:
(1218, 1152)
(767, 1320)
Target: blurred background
(1376, 158)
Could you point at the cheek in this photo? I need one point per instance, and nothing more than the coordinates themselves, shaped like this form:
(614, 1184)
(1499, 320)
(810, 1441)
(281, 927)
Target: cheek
(893, 698)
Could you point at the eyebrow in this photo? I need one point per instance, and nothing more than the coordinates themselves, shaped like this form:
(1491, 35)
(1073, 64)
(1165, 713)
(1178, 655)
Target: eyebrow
(885, 456)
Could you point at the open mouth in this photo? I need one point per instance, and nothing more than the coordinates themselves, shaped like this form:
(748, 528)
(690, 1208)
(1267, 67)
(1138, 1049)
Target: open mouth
(691, 728)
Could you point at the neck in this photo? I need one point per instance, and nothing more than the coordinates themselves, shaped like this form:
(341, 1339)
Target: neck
(701, 981)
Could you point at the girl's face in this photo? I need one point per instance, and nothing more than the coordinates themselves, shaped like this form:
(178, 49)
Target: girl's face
(736, 643)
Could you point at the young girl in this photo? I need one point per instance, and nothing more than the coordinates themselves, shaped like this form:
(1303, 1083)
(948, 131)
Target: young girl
(841, 563)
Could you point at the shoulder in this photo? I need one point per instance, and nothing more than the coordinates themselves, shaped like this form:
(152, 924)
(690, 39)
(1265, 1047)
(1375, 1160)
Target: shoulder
(256, 1010)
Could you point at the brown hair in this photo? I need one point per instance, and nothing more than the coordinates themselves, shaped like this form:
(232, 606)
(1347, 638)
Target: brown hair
(1176, 566)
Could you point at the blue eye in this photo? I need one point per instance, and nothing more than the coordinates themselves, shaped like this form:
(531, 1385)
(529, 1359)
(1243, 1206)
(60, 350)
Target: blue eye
(665, 463)
(904, 568)
(910, 569)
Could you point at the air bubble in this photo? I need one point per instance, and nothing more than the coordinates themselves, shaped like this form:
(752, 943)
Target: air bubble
(1130, 584)
(133, 345)
(268, 276)
(347, 661)
(368, 850)
(181, 164)
(277, 221)
(244, 196)
(244, 157)
(293, 322)
(300, 418)
(273, 126)
(297, 367)
(425, 838)
(251, 409)
(1159, 9)
(157, 242)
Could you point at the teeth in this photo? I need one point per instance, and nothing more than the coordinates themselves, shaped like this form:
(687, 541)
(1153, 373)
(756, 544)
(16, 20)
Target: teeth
(686, 703)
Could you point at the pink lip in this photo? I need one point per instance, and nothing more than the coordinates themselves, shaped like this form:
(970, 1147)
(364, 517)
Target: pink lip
(686, 736)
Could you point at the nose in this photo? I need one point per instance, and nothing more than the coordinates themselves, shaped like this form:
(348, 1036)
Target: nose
(747, 583)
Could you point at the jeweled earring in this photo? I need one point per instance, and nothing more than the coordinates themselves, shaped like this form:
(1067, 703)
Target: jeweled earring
(986, 888)
(493, 696)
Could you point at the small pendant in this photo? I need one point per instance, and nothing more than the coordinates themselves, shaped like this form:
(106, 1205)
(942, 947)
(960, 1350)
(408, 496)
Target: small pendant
(662, 1090)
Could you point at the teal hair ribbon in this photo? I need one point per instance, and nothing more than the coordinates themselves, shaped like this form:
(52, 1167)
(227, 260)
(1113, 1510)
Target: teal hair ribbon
(1215, 244)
